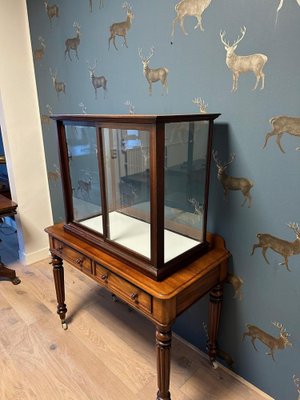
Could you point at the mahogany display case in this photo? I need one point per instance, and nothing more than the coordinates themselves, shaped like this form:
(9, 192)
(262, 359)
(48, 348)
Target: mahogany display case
(136, 186)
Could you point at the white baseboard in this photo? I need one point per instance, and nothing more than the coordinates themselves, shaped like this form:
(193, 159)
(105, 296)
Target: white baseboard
(229, 371)
(31, 258)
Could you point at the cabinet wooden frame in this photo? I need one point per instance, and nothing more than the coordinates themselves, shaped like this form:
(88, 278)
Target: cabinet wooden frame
(155, 266)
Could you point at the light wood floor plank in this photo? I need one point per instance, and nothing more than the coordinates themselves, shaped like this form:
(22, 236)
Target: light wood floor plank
(108, 352)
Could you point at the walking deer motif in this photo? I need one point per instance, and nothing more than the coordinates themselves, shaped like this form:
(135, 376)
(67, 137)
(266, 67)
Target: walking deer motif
(273, 343)
(283, 124)
(154, 75)
(73, 43)
(237, 284)
(280, 246)
(54, 176)
(232, 183)
(39, 53)
(202, 106)
(58, 86)
(52, 11)
(297, 384)
(193, 8)
(85, 187)
(241, 64)
(121, 28)
(97, 81)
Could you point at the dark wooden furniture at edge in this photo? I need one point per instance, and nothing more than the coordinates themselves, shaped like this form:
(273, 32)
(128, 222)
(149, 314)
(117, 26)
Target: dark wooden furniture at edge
(161, 302)
(7, 209)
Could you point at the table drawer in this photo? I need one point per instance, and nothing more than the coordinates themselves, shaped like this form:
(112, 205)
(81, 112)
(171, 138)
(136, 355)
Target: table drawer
(126, 290)
(74, 257)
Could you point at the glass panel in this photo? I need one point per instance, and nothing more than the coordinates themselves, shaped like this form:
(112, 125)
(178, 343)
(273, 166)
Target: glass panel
(127, 176)
(185, 171)
(84, 173)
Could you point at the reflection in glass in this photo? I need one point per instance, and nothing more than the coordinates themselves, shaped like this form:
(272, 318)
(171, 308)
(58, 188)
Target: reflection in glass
(185, 172)
(84, 174)
(126, 160)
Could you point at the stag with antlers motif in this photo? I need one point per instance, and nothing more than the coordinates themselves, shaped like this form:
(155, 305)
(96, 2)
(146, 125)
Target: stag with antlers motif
(131, 107)
(58, 86)
(241, 64)
(121, 28)
(52, 11)
(73, 43)
(280, 246)
(232, 183)
(273, 343)
(97, 81)
(201, 103)
(154, 75)
(38, 54)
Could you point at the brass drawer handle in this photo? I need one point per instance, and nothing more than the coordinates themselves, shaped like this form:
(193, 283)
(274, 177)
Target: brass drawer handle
(79, 261)
(60, 248)
(104, 277)
(134, 296)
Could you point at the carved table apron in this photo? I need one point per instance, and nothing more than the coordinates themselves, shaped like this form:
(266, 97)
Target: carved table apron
(161, 302)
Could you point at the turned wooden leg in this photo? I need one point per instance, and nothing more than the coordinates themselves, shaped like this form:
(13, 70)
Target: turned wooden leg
(215, 304)
(163, 350)
(58, 274)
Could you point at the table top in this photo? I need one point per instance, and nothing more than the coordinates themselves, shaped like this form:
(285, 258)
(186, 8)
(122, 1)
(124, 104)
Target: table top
(165, 289)
(7, 206)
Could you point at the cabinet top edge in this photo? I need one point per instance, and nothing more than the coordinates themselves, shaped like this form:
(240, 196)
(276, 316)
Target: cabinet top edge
(141, 118)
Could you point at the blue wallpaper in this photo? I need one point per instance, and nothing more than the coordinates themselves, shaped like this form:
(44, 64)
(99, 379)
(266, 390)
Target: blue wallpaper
(261, 299)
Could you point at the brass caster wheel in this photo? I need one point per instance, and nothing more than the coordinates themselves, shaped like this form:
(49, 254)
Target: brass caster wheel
(64, 325)
(16, 280)
(114, 298)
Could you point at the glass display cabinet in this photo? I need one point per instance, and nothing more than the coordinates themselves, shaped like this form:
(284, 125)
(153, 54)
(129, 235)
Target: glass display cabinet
(137, 186)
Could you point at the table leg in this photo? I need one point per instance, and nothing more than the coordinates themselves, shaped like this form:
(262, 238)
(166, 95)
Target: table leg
(163, 350)
(58, 274)
(215, 304)
(8, 273)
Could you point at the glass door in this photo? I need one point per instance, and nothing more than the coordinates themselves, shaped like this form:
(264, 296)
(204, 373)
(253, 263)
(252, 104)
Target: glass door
(126, 154)
(84, 175)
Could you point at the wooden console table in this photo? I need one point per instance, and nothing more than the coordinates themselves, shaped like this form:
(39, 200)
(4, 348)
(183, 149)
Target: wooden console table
(160, 302)
(7, 209)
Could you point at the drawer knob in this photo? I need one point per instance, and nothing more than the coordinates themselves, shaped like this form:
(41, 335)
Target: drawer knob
(104, 277)
(60, 248)
(79, 261)
(134, 296)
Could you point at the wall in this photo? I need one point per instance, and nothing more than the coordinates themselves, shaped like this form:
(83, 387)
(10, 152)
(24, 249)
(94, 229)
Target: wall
(197, 68)
(21, 133)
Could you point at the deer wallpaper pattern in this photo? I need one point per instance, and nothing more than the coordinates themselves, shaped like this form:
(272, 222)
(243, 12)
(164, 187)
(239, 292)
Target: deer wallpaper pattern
(192, 74)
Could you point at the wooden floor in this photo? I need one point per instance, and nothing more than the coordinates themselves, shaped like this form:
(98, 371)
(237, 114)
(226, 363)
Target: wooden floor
(108, 352)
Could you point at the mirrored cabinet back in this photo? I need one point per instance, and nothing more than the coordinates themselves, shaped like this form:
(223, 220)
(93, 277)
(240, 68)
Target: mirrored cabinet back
(137, 186)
